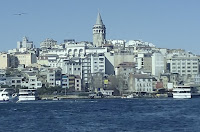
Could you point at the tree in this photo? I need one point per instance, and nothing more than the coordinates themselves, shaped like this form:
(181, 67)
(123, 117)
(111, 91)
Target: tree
(115, 83)
(96, 81)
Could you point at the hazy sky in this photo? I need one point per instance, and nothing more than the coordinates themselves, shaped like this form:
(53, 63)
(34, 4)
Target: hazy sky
(165, 23)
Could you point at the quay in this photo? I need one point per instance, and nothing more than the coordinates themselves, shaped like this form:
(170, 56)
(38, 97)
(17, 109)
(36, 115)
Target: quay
(51, 97)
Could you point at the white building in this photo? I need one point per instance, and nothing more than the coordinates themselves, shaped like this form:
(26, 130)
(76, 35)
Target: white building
(158, 64)
(32, 82)
(95, 50)
(97, 63)
(14, 81)
(140, 83)
(48, 43)
(69, 49)
(138, 43)
(25, 43)
(53, 60)
(184, 65)
(117, 42)
(75, 49)
(92, 63)
(72, 67)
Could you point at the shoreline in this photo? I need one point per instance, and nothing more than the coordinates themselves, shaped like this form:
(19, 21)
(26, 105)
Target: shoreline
(61, 97)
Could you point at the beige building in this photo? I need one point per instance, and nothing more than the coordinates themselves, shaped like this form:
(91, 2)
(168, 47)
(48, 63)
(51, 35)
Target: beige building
(26, 58)
(4, 60)
(165, 80)
(123, 57)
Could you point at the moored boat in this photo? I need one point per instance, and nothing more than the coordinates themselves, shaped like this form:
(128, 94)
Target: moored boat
(8, 94)
(28, 95)
(182, 92)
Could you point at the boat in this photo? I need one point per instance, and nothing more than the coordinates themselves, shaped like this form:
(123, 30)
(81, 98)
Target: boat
(56, 98)
(182, 92)
(28, 95)
(8, 94)
(129, 96)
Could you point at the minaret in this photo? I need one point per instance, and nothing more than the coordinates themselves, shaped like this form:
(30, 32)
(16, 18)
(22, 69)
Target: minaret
(99, 32)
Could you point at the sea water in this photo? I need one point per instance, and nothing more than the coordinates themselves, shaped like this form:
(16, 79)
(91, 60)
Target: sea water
(97, 115)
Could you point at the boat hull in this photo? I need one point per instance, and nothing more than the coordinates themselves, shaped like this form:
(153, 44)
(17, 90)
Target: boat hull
(27, 98)
(182, 96)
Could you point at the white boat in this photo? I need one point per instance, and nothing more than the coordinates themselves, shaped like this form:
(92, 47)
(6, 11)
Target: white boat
(8, 94)
(56, 98)
(182, 92)
(28, 95)
(129, 96)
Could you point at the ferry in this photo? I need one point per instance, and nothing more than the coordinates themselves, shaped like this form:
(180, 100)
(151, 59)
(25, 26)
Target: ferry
(182, 92)
(8, 94)
(28, 95)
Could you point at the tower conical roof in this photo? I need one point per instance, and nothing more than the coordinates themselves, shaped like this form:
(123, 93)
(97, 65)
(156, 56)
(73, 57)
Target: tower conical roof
(99, 20)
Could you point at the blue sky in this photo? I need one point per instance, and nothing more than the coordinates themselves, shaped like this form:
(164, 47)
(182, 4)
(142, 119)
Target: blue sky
(167, 24)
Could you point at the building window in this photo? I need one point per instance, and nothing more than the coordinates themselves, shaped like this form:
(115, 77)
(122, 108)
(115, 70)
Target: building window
(77, 80)
(101, 59)
(18, 81)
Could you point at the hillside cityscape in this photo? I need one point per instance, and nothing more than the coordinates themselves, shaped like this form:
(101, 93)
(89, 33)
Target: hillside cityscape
(104, 66)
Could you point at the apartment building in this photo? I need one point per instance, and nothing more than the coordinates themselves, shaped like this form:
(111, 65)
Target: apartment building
(184, 65)
(4, 60)
(139, 83)
(77, 82)
(26, 58)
